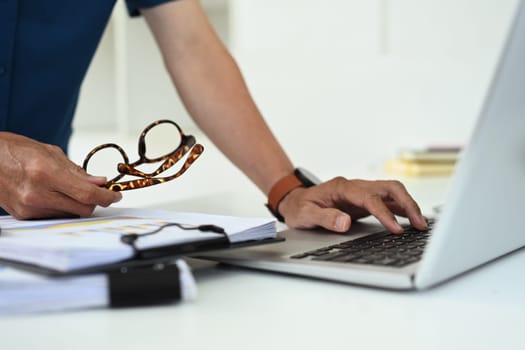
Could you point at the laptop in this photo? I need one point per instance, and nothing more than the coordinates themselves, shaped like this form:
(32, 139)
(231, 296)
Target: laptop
(482, 218)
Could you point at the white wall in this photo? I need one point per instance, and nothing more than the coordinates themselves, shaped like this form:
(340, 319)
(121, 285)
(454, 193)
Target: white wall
(368, 76)
(338, 77)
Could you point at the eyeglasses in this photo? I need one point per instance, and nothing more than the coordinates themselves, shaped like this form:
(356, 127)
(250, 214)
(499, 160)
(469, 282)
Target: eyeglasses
(124, 168)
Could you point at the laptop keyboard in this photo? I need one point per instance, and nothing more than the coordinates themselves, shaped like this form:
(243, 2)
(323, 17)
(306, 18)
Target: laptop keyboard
(380, 249)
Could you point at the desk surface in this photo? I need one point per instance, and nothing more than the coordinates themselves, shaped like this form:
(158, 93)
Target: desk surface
(243, 309)
(239, 309)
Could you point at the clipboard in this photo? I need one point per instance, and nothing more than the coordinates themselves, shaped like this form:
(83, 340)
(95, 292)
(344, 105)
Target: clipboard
(150, 274)
(151, 235)
(148, 258)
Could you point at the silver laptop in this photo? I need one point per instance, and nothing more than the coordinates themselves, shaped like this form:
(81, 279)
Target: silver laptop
(481, 220)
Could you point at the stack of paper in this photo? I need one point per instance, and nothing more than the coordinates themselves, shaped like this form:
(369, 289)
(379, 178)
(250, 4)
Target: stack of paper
(425, 162)
(23, 292)
(71, 244)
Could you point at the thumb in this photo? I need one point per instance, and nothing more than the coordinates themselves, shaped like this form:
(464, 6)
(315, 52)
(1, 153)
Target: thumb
(331, 219)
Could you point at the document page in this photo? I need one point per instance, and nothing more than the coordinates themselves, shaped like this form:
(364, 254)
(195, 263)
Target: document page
(70, 244)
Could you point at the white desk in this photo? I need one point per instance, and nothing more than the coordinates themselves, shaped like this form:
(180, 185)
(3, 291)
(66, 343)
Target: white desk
(243, 309)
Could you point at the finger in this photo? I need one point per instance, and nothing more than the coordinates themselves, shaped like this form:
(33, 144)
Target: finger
(398, 192)
(51, 203)
(354, 211)
(78, 188)
(96, 180)
(358, 193)
(69, 193)
(90, 194)
(37, 213)
(65, 204)
(332, 219)
(375, 205)
(399, 211)
(396, 209)
(75, 182)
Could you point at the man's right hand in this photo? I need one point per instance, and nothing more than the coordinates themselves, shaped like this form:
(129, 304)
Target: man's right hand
(37, 180)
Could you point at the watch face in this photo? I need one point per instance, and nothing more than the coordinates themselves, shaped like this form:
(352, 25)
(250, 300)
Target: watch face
(306, 177)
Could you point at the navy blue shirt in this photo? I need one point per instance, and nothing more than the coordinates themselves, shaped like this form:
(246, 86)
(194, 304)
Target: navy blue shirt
(45, 50)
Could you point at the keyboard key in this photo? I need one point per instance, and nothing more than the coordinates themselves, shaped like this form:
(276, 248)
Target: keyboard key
(299, 256)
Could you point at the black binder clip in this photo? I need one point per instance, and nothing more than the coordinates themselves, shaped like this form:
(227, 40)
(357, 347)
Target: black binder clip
(149, 284)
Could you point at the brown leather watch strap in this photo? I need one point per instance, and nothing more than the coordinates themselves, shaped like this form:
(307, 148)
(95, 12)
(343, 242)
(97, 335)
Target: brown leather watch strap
(279, 191)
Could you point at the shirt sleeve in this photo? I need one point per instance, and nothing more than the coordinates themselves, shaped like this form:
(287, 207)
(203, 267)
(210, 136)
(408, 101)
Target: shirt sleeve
(134, 6)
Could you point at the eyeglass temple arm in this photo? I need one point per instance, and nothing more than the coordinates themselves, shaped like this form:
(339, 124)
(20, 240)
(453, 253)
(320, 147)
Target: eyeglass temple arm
(129, 169)
(106, 146)
(150, 181)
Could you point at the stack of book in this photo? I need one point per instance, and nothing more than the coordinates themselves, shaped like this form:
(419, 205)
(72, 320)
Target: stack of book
(432, 161)
(117, 257)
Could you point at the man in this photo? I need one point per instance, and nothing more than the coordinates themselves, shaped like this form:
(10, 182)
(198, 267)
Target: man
(45, 50)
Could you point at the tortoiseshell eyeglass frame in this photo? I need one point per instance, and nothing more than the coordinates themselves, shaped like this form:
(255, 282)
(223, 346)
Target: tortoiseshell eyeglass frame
(168, 160)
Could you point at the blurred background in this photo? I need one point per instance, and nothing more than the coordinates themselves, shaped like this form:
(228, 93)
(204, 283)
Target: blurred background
(344, 84)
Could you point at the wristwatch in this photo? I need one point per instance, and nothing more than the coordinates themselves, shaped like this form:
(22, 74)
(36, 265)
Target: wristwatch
(299, 178)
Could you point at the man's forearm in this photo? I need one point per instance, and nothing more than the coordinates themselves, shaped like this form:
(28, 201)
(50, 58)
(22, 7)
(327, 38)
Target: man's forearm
(225, 110)
(214, 92)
